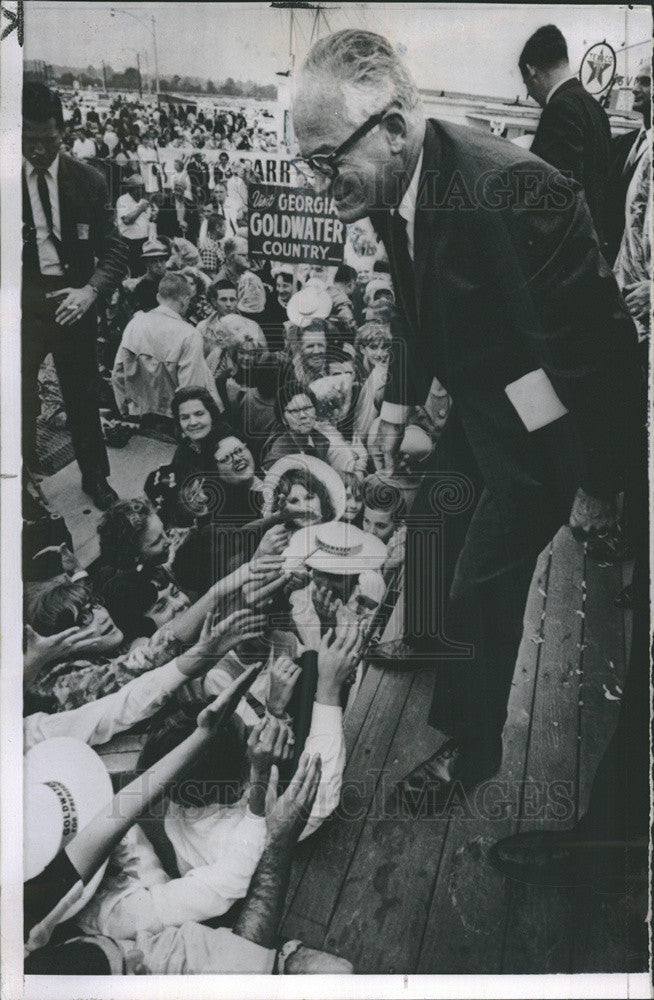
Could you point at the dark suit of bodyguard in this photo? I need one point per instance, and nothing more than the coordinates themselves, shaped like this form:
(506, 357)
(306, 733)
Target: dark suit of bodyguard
(506, 284)
(573, 134)
(72, 255)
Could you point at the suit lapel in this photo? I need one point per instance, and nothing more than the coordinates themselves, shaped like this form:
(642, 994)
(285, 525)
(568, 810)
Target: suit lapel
(425, 217)
(66, 199)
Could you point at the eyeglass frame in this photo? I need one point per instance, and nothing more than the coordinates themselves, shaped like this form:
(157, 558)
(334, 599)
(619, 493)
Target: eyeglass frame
(229, 459)
(329, 159)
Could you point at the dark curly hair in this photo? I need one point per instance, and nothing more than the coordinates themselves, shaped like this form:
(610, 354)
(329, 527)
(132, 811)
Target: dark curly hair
(120, 532)
(203, 395)
(218, 774)
(287, 391)
(302, 477)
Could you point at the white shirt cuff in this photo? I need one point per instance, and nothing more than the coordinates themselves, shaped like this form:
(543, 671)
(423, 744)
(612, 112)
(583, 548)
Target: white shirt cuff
(394, 413)
(326, 718)
(252, 819)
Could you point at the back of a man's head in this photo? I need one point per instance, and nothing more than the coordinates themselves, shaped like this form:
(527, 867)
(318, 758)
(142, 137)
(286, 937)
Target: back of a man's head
(174, 291)
(366, 65)
(545, 49)
(40, 104)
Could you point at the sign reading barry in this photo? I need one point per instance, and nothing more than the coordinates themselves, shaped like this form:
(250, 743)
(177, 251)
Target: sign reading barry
(295, 225)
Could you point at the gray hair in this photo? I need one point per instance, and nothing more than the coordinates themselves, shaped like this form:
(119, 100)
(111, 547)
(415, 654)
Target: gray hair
(174, 287)
(368, 68)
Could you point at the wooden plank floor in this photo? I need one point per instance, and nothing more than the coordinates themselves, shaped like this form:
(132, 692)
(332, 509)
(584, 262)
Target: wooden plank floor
(397, 895)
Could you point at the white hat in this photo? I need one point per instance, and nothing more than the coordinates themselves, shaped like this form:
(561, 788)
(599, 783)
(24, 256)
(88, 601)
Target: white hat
(313, 301)
(65, 785)
(343, 549)
(316, 468)
(153, 248)
(381, 282)
(242, 328)
(279, 267)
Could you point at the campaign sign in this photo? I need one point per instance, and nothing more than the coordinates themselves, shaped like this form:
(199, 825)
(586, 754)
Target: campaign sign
(295, 225)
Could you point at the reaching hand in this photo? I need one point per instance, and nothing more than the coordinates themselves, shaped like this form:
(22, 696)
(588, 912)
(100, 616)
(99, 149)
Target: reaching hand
(290, 813)
(41, 650)
(265, 578)
(396, 549)
(219, 636)
(222, 707)
(270, 743)
(69, 563)
(283, 676)
(324, 602)
(273, 542)
(337, 662)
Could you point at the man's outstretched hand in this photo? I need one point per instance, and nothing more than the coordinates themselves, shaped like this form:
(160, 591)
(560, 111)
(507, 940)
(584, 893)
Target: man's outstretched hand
(592, 518)
(289, 815)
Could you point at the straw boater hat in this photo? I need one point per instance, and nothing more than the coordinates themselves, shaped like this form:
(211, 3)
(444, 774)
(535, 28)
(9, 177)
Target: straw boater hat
(335, 547)
(65, 785)
(316, 468)
(313, 301)
(153, 249)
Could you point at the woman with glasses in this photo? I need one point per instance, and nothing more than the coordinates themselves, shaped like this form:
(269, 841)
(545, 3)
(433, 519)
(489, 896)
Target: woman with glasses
(99, 655)
(296, 413)
(100, 660)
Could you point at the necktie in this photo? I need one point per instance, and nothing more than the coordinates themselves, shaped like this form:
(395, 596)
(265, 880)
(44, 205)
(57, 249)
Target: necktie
(44, 195)
(636, 150)
(403, 262)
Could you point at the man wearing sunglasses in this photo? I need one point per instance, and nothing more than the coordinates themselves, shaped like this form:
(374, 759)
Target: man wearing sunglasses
(503, 296)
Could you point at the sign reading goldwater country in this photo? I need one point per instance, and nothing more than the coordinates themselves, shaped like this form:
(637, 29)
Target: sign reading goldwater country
(295, 225)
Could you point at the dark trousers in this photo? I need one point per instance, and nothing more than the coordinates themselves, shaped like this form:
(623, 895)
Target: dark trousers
(620, 798)
(484, 562)
(135, 261)
(73, 349)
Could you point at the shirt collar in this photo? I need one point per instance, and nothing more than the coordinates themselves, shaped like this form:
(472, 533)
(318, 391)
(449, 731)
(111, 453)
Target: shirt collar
(167, 311)
(557, 85)
(52, 171)
(407, 207)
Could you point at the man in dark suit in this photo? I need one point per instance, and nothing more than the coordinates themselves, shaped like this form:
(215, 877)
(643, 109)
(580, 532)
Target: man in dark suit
(504, 297)
(573, 133)
(72, 255)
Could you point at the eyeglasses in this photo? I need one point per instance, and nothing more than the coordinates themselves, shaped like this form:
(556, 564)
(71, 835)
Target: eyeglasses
(232, 457)
(296, 410)
(327, 163)
(84, 616)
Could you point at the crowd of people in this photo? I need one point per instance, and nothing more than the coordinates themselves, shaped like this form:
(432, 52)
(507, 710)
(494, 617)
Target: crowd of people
(120, 127)
(240, 585)
(272, 537)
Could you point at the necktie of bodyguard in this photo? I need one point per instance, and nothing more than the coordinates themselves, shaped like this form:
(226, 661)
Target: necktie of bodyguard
(44, 195)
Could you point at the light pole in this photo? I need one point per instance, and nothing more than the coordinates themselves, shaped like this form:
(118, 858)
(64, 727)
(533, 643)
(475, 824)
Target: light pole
(152, 26)
(138, 66)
